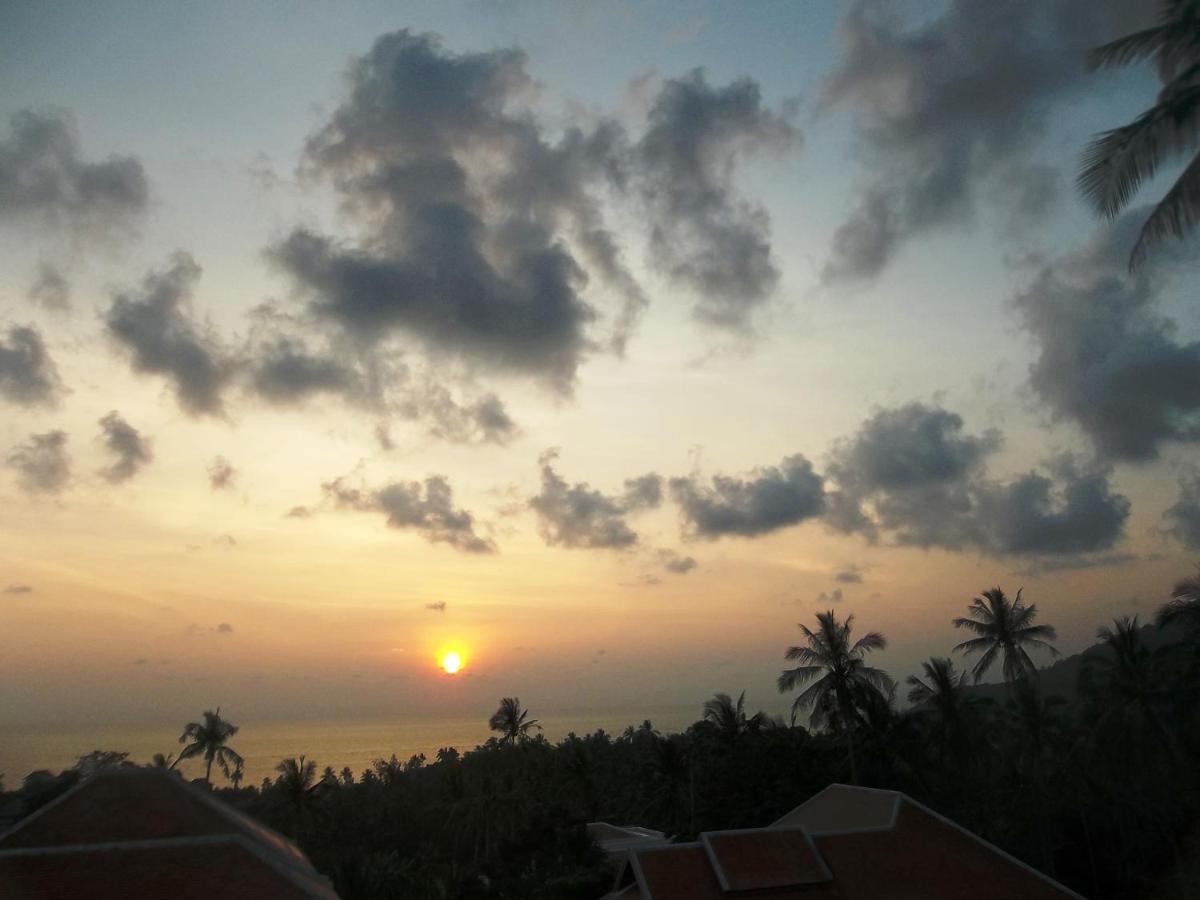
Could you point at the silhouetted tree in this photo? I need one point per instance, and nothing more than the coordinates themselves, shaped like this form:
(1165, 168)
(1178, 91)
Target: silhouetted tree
(729, 717)
(1005, 629)
(1118, 162)
(208, 739)
(511, 721)
(839, 675)
(941, 699)
(162, 761)
(1183, 610)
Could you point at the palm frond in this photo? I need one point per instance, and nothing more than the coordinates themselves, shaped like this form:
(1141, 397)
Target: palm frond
(868, 642)
(1175, 214)
(985, 662)
(1129, 49)
(972, 625)
(974, 645)
(790, 679)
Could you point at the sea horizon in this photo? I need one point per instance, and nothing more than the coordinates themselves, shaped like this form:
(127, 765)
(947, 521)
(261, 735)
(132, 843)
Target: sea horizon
(331, 741)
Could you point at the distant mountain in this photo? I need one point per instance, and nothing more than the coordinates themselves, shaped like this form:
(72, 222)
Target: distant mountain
(1061, 678)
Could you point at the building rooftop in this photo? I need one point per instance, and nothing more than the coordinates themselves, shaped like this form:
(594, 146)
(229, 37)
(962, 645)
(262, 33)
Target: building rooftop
(844, 843)
(134, 833)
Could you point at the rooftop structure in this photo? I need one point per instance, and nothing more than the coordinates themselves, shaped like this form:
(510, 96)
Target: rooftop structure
(145, 833)
(844, 843)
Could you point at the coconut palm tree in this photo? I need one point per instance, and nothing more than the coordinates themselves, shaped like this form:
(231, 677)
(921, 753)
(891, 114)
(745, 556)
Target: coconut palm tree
(838, 674)
(729, 717)
(1183, 610)
(161, 761)
(1117, 162)
(1003, 628)
(941, 697)
(511, 721)
(208, 739)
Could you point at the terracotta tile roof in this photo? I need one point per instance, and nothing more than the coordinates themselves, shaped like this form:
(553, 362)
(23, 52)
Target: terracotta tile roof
(147, 833)
(846, 843)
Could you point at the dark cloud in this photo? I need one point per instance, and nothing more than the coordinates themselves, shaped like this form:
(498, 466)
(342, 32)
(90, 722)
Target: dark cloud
(1183, 517)
(466, 211)
(224, 628)
(481, 421)
(132, 451)
(51, 289)
(28, 376)
(428, 509)
(1105, 360)
(156, 326)
(704, 235)
(835, 596)
(18, 589)
(769, 499)
(949, 108)
(849, 575)
(913, 474)
(42, 463)
(580, 516)
(43, 179)
(298, 512)
(287, 373)
(676, 563)
(221, 474)
(436, 606)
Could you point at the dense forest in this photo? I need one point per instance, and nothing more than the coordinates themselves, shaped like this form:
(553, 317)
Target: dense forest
(1098, 790)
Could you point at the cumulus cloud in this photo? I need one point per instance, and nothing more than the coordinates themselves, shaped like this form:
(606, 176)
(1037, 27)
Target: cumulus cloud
(42, 463)
(465, 209)
(849, 575)
(221, 474)
(1183, 517)
(913, 474)
(675, 562)
(28, 376)
(13, 589)
(224, 628)
(298, 512)
(155, 325)
(834, 596)
(580, 516)
(1106, 360)
(426, 508)
(767, 500)
(436, 606)
(44, 179)
(123, 441)
(949, 108)
(703, 233)
(51, 289)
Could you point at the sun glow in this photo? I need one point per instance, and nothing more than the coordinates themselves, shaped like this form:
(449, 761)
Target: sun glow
(451, 662)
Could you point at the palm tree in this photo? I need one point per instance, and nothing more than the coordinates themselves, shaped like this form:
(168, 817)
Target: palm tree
(1183, 610)
(839, 674)
(729, 717)
(161, 761)
(512, 722)
(208, 738)
(941, 696)
(1003, 628)
(1117, 162)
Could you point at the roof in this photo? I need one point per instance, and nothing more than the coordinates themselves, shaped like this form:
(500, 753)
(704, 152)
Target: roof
(615, 839)
(134, 833)
(844, 843)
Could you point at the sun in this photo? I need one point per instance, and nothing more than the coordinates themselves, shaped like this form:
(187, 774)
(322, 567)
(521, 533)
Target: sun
(451, 662)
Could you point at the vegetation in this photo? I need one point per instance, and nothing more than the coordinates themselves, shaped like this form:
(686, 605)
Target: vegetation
(1118, 162)
(208, 739)
(1100, 793)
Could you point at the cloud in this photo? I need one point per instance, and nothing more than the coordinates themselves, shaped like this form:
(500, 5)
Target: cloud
(224, 628)
(703, 234)
(849, 575)
(13, 589)
(769, 499)
(424, 508)
(51, 289)
(28, 376)
(436, 606)
(221, 474)
(298, 512)
(132, 451)
(911, 473)
(228, 541)
(676, 563)
(580, 516)
(1105, 360)
(42, 463)
(44, 180)
(835, 596)
(1183, 517)
(948, 110)
(468, 214)
(155, 325)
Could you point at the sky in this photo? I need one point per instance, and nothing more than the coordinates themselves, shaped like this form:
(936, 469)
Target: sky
(601, 343)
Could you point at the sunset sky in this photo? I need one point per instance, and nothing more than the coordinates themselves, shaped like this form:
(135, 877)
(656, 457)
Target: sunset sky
(600, 343)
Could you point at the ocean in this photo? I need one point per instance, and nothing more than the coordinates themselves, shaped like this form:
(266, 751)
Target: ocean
(355, 743)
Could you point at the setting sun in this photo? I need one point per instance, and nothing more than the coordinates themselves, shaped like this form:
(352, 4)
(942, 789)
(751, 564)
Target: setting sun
(451, 663)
